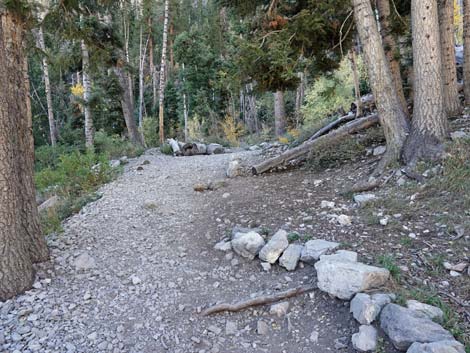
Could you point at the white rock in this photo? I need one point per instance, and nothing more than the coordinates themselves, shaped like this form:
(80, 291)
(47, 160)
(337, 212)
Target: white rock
(344, 279)
(275, 246)
(223, 246)
(84, 262)
(314, 336)
(247, 245)
(430, 311)
(279, 309)
(313, 249)
(231, 328)
(366, 339)
(291, 256)
(341, 255)
(379, 150)
(135, 280)
(114, 163)
(344, 220)
(366, 308)
(262, 328)
(362, 199)
(234, 169)
(437, 347)
(266, 266)
(327, 204)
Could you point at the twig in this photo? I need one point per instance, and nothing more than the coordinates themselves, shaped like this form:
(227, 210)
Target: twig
(267, 299)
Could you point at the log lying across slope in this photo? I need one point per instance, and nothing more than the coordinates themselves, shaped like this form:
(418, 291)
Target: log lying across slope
(306, 147)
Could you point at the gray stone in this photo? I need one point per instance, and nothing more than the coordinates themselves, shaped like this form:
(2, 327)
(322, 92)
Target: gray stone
(214, 329)
(114, 163)
(275, 246)
(366, 339)
(344, 279)
(362, 199)
(327, 204)
(344, 220)
(404, 327)
(366, 308)
(84, 262)
(248, 245)
(262, 328)
(223, 246)
(379, 150)
(314, 336)
(234, 169)
(291, 256)
(215, 148)
(279, 309)
(434, 313)
(237, 230)
(313, 249)
(341, 255)
(125, 160)
(50, 203)
(437, 347)
(231, 328)
(266, 266)
(455, 135)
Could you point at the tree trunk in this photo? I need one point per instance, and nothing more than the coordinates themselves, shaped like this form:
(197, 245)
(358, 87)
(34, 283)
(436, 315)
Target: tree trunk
(299, 98)
(162, 74)
(357, 87)
(127, 105)
(449, 70)
(466, 48)
(142, 52)
(47, 86)
(392, 117)
(21, 242)
(86, 96)
(391, 51)
(152, 64)
(429, 124)
(279, 113)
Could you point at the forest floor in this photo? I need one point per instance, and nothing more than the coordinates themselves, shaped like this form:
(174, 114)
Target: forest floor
(152, 265)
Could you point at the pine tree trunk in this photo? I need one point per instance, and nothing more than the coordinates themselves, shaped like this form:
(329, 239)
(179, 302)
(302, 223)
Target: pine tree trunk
(391, 51)
(47, 86)
(299, 98)
(466, 48)
(449, 70)
(357, 87)
(86, 96)
(141, 78)
(429, 124)
(152, 68)
(279, 113)
(21, 243)
(392, 117)
(162, 74)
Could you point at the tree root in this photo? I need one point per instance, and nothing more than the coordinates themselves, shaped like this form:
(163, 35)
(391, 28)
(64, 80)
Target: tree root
(266, 299)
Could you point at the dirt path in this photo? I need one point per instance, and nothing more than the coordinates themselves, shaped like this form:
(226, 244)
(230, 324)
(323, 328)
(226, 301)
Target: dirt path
(151, 238)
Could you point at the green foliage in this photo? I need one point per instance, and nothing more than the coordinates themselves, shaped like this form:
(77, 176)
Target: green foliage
(166, 149)
(150, 131)
(331, 155)
(389, 262)
(114, 146)
(48, 156)
(293, 236)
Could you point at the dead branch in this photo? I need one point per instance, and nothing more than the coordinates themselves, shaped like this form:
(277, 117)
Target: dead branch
(262, 300)
(306, 147)
(332, 125)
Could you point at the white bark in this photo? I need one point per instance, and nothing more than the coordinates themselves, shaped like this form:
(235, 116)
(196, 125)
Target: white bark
(162, 72)
(86, 96)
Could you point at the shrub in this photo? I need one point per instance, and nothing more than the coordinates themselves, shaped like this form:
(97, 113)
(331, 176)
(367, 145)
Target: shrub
(114, 146)
(150, 131)
(48, 156)
(233, 130)
(166, 149)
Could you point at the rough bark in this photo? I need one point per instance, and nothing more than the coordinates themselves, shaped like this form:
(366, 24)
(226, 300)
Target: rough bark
(357, 89)
(127, 104)
(449, 69)
(162, 74)
(279, 113)
(466, 47)
(299, 97)
(391, 50)
(86, 96)
(47, 86)
(306, 147)
(429, 124)
(392, 117)
(19, 247)
(248, 107)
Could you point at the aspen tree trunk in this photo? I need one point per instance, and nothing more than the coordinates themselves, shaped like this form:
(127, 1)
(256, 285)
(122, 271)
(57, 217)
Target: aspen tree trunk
(21, 242)
(391, 50)
(185, 109)
(47, 86)
(466, 48)
(449, 69)
(392, 117)
(152, 68)
(299, 98)
(142, 51)
(429, 124)
(86, 96)
(279, 113)
(162, 74)
(357, 87)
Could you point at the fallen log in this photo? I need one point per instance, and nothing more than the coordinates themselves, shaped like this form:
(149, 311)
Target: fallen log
(215, 148)
(262, 300)
(350, 116)
(192, 149)
(175, 147)
(306, 147)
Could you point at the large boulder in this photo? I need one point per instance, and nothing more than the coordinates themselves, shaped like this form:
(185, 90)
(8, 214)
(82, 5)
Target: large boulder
(275, 246)
(313, 249)
(291, 257)
(437, 347)
(234, 169)
(247, 244)
(404, 327)
(343, 279)
(215, 148)
(433, 312)
(365, 340)
(365, 308)
(341, 255)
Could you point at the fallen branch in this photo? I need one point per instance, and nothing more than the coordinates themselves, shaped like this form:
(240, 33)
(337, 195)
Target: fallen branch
(332, 125)
(306, 147)
(262, 300)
